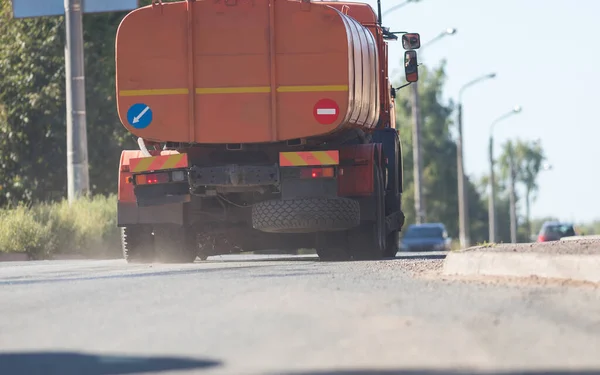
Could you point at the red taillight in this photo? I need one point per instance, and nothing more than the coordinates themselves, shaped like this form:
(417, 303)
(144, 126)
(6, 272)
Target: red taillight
(317, 172)
(541, 238)
(154, 178)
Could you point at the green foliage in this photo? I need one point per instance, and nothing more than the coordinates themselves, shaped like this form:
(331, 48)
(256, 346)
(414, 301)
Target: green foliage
(439, 152)
(32, 106)
(527, 158)
(87, 227)
(21, 232)
(589, 229)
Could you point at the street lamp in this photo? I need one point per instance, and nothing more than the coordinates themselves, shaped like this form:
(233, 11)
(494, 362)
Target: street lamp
(448, 31)
(463, 210)
(406, 2)
(416, 133)
(492, 198)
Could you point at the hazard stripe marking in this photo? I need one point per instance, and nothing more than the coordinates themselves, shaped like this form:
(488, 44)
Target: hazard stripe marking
(291, 159)
(308, 158)
(156, 163)
(326, 158)
(173, 161)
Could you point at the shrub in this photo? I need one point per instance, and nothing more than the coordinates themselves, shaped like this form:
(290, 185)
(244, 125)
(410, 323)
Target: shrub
(20, 232)
(87, 227)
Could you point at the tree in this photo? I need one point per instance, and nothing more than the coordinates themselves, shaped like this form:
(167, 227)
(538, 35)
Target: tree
(531, 157)
(32, 106)
(527, 158)
(439, 157)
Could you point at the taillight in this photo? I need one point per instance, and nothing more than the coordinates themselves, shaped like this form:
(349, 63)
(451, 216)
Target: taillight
(317, 172)
(153, 178)
(541, 238)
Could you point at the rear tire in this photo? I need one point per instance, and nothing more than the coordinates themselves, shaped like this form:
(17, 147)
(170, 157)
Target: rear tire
(175, 244)
(137, 244)
(369, 241)
(392, 244)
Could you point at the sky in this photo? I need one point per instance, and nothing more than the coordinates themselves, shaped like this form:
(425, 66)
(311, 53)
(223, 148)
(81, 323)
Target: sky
(546, 58)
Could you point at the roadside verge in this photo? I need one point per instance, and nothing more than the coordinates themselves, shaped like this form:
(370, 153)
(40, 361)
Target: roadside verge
(569, 260)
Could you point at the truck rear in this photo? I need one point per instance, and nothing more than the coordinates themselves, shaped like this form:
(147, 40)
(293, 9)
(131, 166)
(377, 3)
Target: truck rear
(261, 124)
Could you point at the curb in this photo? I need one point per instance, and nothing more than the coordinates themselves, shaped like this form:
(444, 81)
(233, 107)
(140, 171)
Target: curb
(557, 266)
(578, 238)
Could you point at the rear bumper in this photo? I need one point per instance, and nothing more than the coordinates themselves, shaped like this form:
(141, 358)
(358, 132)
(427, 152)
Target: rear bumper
(234, 175)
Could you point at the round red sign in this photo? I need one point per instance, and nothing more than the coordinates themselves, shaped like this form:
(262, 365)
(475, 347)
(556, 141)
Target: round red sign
(326, 111)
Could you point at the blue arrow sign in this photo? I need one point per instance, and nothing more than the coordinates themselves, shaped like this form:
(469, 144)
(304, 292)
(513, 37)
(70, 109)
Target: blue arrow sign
(139, 116)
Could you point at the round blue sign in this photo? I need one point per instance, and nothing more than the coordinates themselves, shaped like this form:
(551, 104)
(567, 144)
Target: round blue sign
(139, 116)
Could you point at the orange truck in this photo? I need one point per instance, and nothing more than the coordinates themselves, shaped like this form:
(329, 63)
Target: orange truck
(261, 124)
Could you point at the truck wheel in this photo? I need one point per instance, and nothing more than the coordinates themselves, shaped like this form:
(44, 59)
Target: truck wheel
(137, 243)
(175, 244)
(392, 247)
(306, 215)
(332, 246)
(369, 242)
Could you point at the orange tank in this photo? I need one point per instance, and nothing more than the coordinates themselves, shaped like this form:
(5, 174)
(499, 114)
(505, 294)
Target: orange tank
(245, 71)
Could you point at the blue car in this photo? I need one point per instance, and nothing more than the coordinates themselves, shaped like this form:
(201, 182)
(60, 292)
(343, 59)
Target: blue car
(425, 237)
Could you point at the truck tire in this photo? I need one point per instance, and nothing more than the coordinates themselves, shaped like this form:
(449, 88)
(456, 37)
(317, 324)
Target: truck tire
(137, 243)
(392, 244)
(369, 241)
(306, 215)
(175, 244)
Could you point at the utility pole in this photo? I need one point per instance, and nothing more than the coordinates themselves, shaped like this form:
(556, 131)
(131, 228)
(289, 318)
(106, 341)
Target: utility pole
(513, 198)
(491, 203)
(420, 207)
(492, 197)
(417, 161)
(77, 155)
(463, 201)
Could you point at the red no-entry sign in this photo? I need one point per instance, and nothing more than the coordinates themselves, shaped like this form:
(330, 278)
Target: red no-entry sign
(326, 111)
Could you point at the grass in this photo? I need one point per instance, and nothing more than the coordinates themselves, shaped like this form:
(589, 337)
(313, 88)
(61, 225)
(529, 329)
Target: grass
(87, 227)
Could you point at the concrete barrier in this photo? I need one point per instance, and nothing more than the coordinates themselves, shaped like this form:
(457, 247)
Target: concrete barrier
(584, 267)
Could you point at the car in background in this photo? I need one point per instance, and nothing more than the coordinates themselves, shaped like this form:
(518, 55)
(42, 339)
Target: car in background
(555, 230)
(425, 237)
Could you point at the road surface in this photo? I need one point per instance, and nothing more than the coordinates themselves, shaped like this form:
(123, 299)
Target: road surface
(244, 315)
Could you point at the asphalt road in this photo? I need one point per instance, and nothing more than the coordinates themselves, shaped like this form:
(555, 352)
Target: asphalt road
(243, 315)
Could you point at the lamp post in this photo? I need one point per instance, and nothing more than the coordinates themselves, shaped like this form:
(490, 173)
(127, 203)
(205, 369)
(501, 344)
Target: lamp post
(492, 196)
(416, 133)
(448, 31)
(396, 7)
(463, 208)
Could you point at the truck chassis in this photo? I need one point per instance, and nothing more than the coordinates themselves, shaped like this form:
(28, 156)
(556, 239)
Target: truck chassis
(185, 201)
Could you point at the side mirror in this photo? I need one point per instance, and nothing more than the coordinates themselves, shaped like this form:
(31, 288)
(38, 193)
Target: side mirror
(411, 41)
(411, 70)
